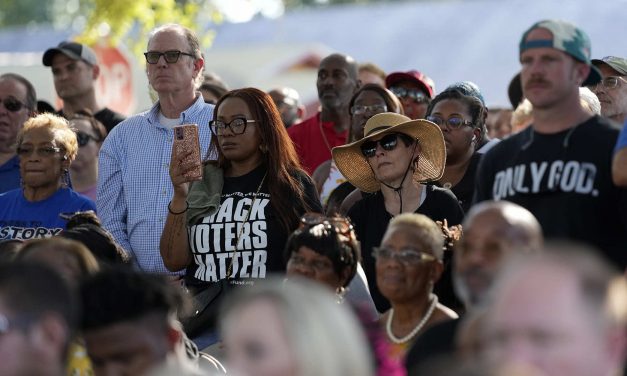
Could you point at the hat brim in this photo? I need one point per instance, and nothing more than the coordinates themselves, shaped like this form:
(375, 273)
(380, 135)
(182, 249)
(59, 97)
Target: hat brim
(431, 161)
(594, 77)
(49, 54)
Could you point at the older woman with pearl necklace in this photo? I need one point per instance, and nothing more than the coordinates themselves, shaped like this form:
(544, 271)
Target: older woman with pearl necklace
(408, 263)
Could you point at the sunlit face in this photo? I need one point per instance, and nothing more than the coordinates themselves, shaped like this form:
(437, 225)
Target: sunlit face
(539, 321)
(172, 78)
(259, 350)
(239, 147)
(87, 156)
(458, 141)
(11, 121)
(614, 100)
(72, 78)
(373, 104)
(308, 263)
(335, 83)
(548, 76)
(400, 282)
(126, 348)
(38, 168)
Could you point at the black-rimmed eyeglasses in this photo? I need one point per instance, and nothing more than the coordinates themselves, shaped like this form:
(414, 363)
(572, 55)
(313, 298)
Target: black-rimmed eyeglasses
(171, 57)
(237, 126)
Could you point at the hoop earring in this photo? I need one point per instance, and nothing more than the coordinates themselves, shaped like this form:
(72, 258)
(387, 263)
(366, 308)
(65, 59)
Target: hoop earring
(65, 179)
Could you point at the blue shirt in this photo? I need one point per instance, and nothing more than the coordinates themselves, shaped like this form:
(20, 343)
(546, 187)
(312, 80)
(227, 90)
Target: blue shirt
(10, 174)
(622, 139)
(134, 186)
(23, 219)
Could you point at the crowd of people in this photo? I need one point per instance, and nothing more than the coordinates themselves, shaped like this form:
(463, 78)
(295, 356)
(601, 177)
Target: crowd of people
(397, 231)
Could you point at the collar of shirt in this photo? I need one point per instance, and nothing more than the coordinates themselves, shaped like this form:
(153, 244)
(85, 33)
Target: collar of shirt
(190, 113)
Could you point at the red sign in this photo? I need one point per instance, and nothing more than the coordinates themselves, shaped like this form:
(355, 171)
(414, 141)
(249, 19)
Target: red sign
(114, 88)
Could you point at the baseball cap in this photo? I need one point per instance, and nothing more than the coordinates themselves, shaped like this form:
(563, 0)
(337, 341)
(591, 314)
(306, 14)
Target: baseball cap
(617, 63)
(425, 83)
(567, 38)
(73, 50)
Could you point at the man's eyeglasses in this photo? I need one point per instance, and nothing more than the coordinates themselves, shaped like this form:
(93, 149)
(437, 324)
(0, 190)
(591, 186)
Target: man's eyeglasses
(375, 109)
(83, 138)
(237, 126)
(454, 122)
(12, 104)
(610, 82)
(171, 57)
(46, 151)
(417, 95)
(387, 142)
(405, 256)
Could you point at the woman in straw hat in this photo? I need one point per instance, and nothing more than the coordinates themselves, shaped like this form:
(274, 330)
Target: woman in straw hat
(394, 159)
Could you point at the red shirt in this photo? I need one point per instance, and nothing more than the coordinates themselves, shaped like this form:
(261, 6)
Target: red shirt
(310, 144)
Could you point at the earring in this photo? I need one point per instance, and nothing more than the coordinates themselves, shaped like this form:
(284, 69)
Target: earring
(65, 179)
(263, 148)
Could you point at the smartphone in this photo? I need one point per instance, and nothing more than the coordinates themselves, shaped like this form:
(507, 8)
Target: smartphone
(186, 142)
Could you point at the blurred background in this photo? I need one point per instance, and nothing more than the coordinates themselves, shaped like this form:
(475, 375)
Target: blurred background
(271, 43)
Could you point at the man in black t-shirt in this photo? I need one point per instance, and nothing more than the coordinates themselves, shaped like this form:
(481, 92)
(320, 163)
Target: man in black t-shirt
(560, 167)
(75, 70)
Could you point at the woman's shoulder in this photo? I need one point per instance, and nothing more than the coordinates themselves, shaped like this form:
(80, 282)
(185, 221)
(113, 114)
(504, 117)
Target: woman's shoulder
(438, 192)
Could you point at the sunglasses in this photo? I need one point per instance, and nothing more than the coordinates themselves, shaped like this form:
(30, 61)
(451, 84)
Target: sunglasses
(171, 57)
(454, 122)
(237, 126)
(83, 138)
(12, 104)
(375, 109)
(417, 95)
(387, 142)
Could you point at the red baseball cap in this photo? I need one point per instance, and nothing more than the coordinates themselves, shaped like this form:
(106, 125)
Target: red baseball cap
(420, 79)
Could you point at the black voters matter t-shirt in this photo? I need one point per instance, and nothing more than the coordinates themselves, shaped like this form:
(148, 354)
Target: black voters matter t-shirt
(565, 180)
(260, 252)
(370, 219)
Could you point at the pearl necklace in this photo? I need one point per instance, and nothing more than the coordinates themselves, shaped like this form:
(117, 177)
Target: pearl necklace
(426, 317)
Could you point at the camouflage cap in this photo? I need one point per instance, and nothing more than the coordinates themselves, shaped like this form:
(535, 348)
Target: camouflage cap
(567, 38)
(617, 63)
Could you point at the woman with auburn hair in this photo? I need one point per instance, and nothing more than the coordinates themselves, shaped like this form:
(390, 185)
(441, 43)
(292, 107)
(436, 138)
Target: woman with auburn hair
(46, 147)
(232, 225)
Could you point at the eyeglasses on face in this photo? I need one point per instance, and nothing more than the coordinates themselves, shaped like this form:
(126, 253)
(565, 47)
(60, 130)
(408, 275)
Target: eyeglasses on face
(405, 256)
(171, 57)
(374, 109)
(319, 266)
(46, 151)
(611, 82)
(417, 95)
(83, 138)
(387, 142)
(454, 122)
(12, 104)
(237, 126)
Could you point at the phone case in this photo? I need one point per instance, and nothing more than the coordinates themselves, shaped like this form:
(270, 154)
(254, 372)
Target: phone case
(185, 141)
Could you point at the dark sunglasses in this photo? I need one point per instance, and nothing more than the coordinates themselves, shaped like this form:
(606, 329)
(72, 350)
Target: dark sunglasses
(387, 142)
(171, 57)
(83, 138)
(12, 104)
(417, 95)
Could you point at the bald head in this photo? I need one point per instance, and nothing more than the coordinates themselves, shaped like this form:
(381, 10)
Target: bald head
(492, 231)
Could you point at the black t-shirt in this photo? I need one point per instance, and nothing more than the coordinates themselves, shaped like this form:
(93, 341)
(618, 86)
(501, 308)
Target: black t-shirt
(260, 252)
(434, 343)
(564, 179)
(370, 219)
(106, 116)
(464, 190)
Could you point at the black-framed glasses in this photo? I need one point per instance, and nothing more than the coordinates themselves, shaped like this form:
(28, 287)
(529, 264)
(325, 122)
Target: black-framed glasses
(237, 126)
(611, 82)
(416, 94)
(454, 122)
(387, 142)
(406, 256)
(46, 151)
(12, 104)
(83, 138)
(171, 57)
(374, 109)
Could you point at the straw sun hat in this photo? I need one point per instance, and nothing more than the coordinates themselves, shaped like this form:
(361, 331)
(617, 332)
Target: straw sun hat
(355, 168)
